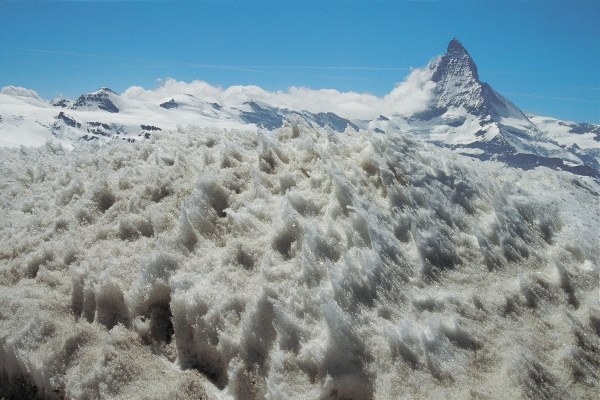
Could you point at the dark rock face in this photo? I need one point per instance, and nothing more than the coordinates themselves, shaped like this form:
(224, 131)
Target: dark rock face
(145, 133)
(267, 118)
(88, 138)
(273, 118)
(101, 99)
(169, 104)
(583, 128)
(456, 62)
(103, 129)
(63, 103)
(60, 121)
(99, 124)
(334, 121)
(68, 120)
(150, 128)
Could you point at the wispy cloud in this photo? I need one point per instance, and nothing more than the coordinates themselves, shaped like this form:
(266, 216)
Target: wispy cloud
(19, 92)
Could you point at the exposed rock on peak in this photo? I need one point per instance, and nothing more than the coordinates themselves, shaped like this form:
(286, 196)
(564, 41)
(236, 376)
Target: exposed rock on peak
(106, 89)
(456, 63)
(62, 103)
(455, 46)
(458, 86)
(101, 99)
(69, 121)
(169, 104)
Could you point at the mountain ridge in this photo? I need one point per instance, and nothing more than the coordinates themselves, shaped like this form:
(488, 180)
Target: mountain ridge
(463, 113)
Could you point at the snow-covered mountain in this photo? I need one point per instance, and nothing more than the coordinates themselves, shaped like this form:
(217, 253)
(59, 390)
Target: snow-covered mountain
(469, 116)
(102, 115)
(461, 112)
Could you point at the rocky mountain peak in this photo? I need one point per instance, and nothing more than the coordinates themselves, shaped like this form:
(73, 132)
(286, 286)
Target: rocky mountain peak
(106, 90)
(456, 47)
(100, 99)
(456, 63)
(458, 87)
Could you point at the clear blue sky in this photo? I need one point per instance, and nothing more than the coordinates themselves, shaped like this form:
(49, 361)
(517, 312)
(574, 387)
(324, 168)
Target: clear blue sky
(543, 55)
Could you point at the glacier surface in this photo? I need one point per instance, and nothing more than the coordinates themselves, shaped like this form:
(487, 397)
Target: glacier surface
(295, 264)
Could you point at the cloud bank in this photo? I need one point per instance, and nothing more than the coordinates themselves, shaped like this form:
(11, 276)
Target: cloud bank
(18, 91)
(409, 96)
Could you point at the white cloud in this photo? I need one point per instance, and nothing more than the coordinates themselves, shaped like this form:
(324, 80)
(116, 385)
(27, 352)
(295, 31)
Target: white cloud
(20, 92)
(409, 96)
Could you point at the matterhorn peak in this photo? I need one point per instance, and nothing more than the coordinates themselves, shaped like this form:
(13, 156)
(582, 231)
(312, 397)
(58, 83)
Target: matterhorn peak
(456, 47)
(456, 63)
(458, 87)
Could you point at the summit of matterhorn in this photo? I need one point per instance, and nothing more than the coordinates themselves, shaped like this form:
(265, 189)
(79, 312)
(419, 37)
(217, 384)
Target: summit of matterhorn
(458, 86)
(469, 116)
(456, 63)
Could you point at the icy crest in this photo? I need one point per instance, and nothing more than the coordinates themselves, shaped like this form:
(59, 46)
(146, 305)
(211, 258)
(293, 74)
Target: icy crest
(300, 263)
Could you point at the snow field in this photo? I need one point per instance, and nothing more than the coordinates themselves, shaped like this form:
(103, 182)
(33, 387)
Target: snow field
(299, 263)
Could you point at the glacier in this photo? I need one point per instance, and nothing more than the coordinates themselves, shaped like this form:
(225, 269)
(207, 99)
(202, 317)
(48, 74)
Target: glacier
(297, 263)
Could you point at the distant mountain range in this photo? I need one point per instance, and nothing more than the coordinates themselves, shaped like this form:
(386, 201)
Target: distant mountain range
(464, 114)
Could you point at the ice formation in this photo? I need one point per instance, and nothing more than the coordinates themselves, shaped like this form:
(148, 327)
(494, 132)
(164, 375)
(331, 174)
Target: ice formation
(295, 264)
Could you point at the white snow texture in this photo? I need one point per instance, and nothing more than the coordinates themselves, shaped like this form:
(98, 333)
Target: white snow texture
(294, 264)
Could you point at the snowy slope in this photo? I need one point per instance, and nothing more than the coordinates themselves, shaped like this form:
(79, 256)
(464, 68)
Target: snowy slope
(294, 264)
(24, 119)
(100, 115)
(105, 115)
(569, 133)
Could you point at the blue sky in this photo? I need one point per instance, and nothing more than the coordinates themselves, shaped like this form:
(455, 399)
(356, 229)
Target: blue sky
(543, 55)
